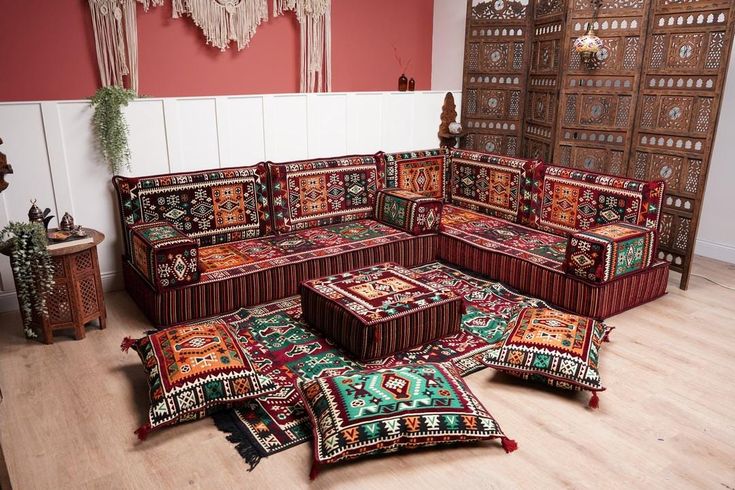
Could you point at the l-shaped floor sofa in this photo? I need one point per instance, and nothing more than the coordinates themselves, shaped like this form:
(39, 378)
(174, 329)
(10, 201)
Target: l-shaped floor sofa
(204, 243)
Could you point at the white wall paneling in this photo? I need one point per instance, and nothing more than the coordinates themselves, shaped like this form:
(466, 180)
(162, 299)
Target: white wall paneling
(51, 147)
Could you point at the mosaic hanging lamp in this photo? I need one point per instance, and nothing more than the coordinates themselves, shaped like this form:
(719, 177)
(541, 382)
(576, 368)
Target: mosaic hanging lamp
(589, 45)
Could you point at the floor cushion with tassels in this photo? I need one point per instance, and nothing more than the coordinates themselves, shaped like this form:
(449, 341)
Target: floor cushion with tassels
(556, 348)
(193, 371)
(385, 410)
(377, 311)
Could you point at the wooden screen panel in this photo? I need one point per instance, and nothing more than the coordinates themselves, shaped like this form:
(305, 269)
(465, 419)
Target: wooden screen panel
(544, 76)
(683, 75)
(494, 82)
(597, 103)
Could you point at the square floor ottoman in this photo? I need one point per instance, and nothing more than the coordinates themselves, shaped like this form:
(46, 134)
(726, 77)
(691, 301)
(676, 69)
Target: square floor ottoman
(380, 310)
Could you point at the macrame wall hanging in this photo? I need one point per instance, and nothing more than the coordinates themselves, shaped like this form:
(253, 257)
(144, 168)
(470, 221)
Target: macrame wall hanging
(116, 40)
(315, 20)
(222, 21)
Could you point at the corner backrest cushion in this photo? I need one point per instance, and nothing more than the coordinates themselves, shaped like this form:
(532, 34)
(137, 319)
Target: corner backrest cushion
(572, 200)
(312, 193)
(424, 172)
(209, 206)
(492, 184)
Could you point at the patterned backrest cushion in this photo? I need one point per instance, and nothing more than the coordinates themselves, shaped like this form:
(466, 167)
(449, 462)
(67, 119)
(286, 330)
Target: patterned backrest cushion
(313, 193)
(492, 184)
(424, 172)
(572, 200)
(211, 206)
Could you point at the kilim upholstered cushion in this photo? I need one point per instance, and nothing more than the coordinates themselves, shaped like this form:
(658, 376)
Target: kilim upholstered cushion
(553, 347)
(492, 184)
(165, 256)
(609, 251)
(379, 310)
(572, 200)
(210, 206)
(321, 192)
(385, 410)
(193, 371)
(415, 213)
(424, 172)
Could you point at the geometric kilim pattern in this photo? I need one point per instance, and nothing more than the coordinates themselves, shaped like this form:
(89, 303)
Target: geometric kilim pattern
(412, 212)
(424, 172)
(385, 410)
(163, 255)
(376, 311)
(321, 192)
(553, 347)
(218, 262)
(194, 371)
(572, 201)
(489, 183)
(539, 247)
(609, 251)
(212, 206)
(380, 292)
(287, 349)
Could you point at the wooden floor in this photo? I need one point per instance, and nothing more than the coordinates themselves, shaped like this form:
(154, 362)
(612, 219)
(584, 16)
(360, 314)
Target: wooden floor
(666, 420)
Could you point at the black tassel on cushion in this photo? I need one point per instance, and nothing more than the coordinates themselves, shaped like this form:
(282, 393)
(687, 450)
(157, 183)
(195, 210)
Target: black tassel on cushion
(249, 452)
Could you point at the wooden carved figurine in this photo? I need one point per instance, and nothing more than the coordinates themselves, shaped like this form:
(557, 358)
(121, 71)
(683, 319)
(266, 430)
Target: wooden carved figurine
(4, 169)
(449, 129)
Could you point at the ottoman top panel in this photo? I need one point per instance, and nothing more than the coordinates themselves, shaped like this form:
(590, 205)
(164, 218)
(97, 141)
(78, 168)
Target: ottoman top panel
(379, 293)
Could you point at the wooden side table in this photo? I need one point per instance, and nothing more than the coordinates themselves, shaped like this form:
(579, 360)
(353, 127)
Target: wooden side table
(76, 298)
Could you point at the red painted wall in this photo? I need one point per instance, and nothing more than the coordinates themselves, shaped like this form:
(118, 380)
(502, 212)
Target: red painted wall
(47, 51)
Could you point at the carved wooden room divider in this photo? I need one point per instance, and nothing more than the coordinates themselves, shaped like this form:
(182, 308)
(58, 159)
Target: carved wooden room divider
(645, 107)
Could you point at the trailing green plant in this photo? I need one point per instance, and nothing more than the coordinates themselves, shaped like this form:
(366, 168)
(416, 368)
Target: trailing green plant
(32, 266)
(110, 127)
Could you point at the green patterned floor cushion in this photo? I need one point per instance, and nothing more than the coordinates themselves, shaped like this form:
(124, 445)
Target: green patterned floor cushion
(194, 371)
(385, 410)
(556, 348)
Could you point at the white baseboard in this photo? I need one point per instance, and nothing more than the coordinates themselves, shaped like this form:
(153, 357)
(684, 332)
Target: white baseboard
(111, 281)
(715, 250)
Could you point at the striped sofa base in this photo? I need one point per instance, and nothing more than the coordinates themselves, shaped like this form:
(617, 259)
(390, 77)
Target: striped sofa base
(178, 305)
(598, 301)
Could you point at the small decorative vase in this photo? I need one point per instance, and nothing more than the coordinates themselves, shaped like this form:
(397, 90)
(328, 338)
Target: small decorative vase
(411, 85)
(402, 83)
(66, 223)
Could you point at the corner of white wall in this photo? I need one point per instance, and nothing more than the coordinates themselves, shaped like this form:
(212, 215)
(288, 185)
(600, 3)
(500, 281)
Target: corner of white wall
(447, 53)
(716, 233)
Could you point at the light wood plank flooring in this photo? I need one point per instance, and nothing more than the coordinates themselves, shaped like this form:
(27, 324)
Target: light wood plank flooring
(666, 420)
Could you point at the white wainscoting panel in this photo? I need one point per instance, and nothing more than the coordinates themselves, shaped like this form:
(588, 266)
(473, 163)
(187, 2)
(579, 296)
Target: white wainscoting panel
(364, 121)
(198, 134)
(286, 125)
(243, 139)
(51, 147)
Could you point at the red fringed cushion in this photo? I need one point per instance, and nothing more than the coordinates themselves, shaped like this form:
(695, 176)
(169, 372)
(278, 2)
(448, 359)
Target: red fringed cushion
(556, 348)
(193, 371)
(385, 410)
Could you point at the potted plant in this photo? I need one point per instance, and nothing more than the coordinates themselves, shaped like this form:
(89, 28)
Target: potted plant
(110, 127)
(32, 266)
